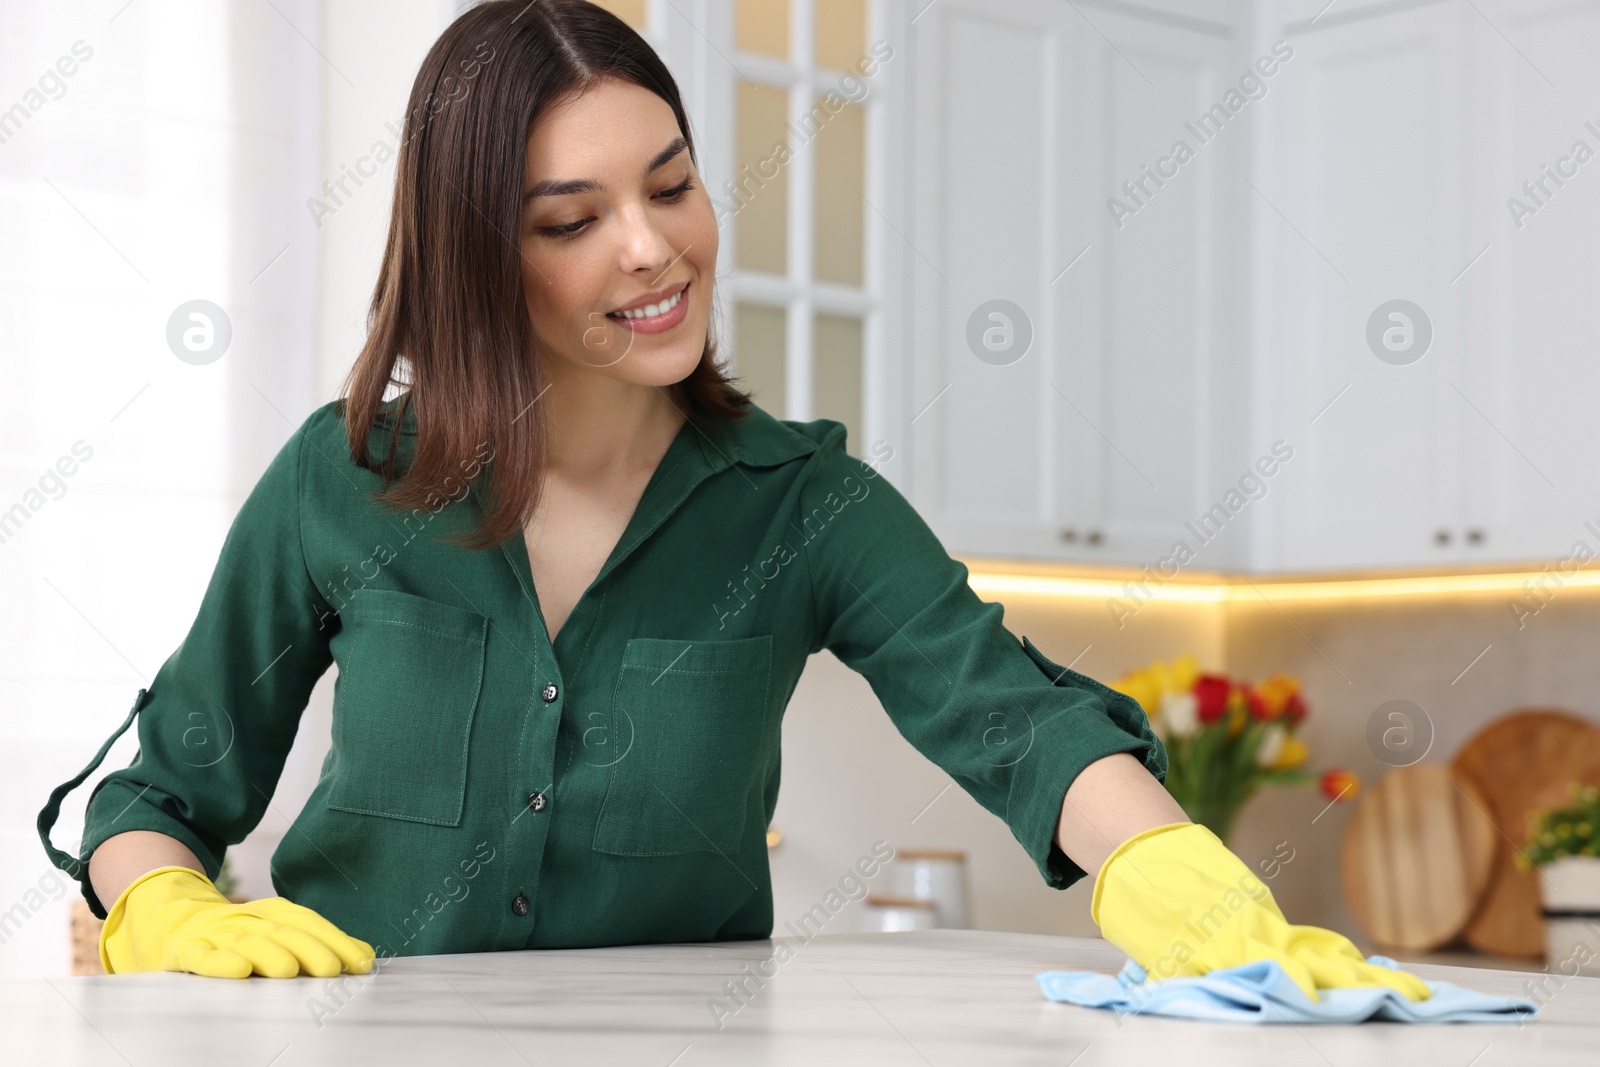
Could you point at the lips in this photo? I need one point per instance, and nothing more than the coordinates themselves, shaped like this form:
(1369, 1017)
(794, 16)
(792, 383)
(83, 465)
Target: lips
(661, 296)
(656, 319)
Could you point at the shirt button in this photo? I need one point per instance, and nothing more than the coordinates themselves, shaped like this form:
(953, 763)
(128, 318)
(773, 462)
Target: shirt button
(550, 693)
(536, 801)
(519, 906)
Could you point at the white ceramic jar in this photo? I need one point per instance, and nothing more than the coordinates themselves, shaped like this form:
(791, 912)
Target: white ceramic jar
(889, 915)
(937, 876)
(1570, 892)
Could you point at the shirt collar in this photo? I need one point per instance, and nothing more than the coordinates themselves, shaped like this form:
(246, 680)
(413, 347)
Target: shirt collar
(756, 440)
(695, 454)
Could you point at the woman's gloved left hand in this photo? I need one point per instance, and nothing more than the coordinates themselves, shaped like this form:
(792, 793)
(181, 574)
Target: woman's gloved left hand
(1177, 901)
(174, 919)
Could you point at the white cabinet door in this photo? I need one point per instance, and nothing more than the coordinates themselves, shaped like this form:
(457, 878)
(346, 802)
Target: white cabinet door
(1148, 319)
(1358, 202)
(1534, 307)
(1096, 442)
(988, 467)
(1336, 268)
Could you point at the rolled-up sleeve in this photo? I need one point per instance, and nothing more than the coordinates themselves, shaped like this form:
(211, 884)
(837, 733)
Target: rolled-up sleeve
(1012, 727)
(217, 722)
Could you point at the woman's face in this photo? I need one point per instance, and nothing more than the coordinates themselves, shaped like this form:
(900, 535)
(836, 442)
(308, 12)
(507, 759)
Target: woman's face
(614, 217)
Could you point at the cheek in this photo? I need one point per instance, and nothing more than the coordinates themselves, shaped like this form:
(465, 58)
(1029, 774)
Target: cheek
(553, 280)
(536, 285)
(553, 293)
(694, 232)
(706, 237)
(700, 237)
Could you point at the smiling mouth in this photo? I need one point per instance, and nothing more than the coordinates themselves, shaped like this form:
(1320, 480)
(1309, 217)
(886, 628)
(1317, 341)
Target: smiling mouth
(651, 311)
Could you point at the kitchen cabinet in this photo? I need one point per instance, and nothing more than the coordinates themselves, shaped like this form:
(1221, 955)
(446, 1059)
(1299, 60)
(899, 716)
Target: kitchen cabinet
(1404, 138)
(1072, 357)
(1242, 302)
(1359, 202)
(1533, 485)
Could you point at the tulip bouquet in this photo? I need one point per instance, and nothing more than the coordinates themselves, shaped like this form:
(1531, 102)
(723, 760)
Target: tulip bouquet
(1226, 738)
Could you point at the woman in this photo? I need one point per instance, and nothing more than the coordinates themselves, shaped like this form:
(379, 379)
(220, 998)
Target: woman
(542, 737)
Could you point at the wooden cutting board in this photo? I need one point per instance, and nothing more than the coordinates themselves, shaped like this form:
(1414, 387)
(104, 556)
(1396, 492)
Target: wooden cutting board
(1417, 855)
(1520, 762)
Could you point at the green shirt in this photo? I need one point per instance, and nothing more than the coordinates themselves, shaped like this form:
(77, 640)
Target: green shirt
(486, 789)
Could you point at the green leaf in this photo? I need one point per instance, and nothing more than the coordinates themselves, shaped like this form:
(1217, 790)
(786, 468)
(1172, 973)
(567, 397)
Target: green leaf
(1289, 777)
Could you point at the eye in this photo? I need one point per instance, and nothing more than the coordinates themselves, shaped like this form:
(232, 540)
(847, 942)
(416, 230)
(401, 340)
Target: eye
(572, 229)
(676, 193)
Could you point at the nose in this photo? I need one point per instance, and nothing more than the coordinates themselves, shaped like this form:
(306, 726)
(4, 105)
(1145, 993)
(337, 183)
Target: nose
(645, 249)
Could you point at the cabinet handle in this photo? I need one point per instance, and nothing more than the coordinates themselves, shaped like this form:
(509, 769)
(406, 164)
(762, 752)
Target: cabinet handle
(1070, 535)
(1475, 536)
(1094, 537)
(1442, 537)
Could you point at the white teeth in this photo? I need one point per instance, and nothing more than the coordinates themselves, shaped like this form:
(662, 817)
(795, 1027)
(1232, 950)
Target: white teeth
(650, 311)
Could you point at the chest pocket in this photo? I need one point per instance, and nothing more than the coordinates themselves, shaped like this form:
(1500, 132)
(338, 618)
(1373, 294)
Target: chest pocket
(409, 678)
(692, 715)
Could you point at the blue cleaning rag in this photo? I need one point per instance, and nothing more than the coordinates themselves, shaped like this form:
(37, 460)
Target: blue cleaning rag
(1261, 992)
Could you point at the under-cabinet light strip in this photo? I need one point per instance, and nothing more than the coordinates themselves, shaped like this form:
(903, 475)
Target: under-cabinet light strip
(1539, 583)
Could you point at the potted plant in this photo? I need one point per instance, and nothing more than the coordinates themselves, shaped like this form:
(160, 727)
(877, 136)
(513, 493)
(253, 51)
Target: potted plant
(1564, 846)
(1226, 738)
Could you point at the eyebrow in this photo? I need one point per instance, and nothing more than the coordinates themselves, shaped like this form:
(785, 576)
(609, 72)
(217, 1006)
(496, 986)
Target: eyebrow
(568, 186)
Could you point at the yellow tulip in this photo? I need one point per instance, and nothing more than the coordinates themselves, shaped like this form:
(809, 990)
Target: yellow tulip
(1183, 673)
(1293, 753)
(1275, 693)
(1149, 684)
(1140, 686)
(1160, 676)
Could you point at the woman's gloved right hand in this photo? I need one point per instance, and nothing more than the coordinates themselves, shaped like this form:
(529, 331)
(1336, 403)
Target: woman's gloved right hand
(174, 919)
(1180, 903)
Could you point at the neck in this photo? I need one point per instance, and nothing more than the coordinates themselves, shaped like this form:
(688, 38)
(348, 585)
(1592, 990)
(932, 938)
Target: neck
(606, 428)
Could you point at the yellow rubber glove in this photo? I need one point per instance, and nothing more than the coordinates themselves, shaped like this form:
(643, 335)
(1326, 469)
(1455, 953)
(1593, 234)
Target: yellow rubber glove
(174, 919)
(1179, 903)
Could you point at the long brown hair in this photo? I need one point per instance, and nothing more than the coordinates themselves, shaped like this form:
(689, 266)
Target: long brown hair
(449, 298)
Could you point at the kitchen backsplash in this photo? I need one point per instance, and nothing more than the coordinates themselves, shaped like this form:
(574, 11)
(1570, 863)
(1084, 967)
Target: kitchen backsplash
(849, 779)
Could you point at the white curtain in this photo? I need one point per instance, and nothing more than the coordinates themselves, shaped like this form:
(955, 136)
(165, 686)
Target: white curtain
(152, 153)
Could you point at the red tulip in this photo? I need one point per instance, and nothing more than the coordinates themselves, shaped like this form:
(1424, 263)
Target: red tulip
(1296, 709)
(1340, 784)
(1259, 708)
(1211, 694)
(1275, 694)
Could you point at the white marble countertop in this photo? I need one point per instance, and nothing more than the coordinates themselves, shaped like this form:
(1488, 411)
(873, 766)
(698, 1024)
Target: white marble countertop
(939, 997)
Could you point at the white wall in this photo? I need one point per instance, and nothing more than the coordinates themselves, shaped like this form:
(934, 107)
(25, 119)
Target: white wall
(163, 169)
(372, 49)
(850, 779)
